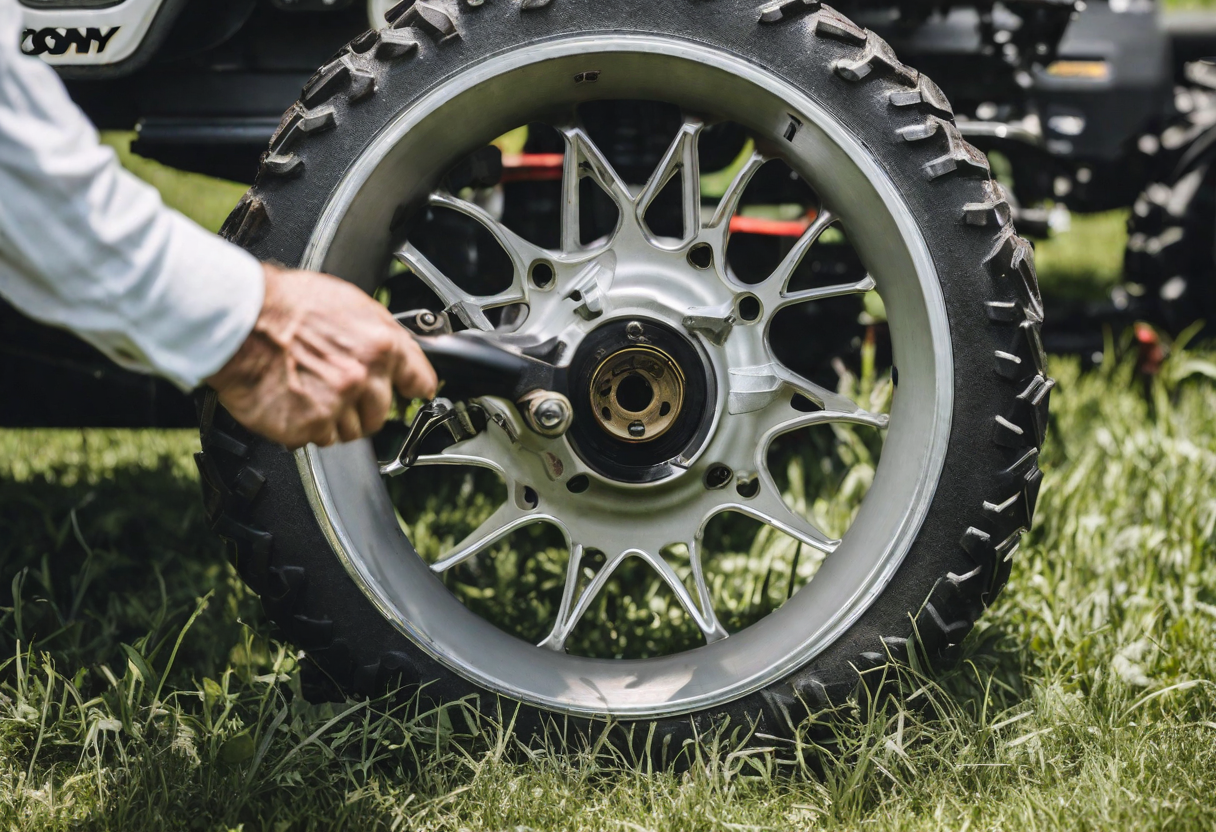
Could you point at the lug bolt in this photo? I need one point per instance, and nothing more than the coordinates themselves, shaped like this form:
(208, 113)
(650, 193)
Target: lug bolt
(548, 413)
(637, 430)
(634, 331)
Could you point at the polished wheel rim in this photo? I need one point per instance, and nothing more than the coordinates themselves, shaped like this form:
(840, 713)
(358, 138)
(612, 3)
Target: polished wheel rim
(656, 313)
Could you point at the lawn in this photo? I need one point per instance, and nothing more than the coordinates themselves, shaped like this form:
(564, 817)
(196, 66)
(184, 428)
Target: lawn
(142, 688)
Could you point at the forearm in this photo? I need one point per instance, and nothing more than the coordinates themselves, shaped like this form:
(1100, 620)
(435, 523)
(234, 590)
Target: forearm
(86, 246)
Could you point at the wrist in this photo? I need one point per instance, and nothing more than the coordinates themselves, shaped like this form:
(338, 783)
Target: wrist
(263, 343)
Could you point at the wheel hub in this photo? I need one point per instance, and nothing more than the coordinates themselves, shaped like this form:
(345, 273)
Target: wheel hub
(637, 393)
(641, 393)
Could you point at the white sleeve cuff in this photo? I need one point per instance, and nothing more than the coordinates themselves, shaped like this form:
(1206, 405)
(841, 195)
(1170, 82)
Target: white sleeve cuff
(210, 295)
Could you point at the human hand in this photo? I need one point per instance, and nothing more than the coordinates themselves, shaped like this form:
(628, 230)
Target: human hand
(321, 363)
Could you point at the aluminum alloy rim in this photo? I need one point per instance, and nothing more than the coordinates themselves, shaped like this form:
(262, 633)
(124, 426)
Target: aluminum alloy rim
(466, 112)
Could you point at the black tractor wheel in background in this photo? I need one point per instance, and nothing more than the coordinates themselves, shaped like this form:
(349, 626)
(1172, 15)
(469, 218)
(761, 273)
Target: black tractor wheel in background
(315, 533)
(1171, 248)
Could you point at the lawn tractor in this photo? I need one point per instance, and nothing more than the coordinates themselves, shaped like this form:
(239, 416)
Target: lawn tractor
(768, 381)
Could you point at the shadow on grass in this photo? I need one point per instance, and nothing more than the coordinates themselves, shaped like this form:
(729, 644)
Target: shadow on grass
(89, 563)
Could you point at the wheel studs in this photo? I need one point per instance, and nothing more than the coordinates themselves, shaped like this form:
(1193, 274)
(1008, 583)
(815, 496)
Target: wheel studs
(548, 413)
(636, 429)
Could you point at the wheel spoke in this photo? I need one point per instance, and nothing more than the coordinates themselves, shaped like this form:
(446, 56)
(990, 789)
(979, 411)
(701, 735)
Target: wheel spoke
(837, 290)
(729, 203)
(679, 160)
(834, 403)
(572, 609)
(776, 284)
(502, 521)
(505, 519)
(520, 251)
(768, 507)
(469, 308)
(707, 620)
(702, 614)
(780, 418)
(582, 159)
(758, 387)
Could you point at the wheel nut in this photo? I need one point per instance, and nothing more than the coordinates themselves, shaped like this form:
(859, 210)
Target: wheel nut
(634, 331)
(637, 429)
(548, 413)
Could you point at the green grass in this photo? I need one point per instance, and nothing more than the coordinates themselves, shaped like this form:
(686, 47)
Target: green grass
(1085, 262)
(141, 688)
(205, 200)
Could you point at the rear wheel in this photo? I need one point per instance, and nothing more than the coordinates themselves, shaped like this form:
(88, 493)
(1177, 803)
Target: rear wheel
(688, 547)
(1170, 257)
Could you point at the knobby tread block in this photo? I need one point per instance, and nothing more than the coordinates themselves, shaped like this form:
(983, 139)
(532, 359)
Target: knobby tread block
(959, 157)
(396, 43)
(248, 223)
(926, 93)
(832, 24)
(784, 10)
(877, 57)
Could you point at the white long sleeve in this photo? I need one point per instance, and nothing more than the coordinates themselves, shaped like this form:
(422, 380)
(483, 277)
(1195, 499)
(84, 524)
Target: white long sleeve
(86, 246)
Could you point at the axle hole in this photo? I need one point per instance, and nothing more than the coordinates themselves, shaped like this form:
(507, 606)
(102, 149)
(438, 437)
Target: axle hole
(701, 256)
(542, 275)
(749, 308)
(634, 393)
(577, 485)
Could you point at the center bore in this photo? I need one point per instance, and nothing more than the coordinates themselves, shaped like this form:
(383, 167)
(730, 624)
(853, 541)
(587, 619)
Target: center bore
(637, 393)
(634, 393)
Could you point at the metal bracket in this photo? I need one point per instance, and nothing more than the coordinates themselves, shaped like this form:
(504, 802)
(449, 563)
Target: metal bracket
(430, 416)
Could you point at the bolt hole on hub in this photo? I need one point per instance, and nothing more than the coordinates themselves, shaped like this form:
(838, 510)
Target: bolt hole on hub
(701, 256)
(542, 275)
(710, 486)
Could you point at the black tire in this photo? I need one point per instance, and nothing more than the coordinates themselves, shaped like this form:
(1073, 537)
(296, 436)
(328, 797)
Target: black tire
(985, 500)
(1171, 258)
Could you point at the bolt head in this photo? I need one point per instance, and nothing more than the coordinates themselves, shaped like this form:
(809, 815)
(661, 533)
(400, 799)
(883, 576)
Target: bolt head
(637, 429)
(634, 331)
(549, 413)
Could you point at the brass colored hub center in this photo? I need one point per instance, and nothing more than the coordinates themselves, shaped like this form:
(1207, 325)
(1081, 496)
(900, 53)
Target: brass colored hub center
(637, 393)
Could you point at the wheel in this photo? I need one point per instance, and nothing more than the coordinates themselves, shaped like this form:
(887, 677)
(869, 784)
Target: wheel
(1170, 257)
(685, 500)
